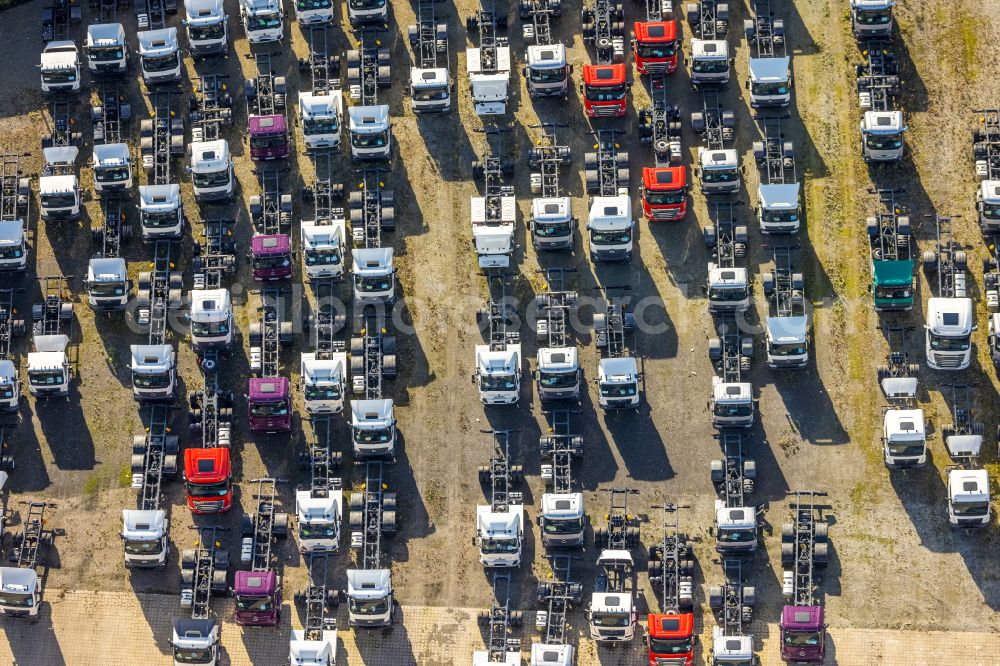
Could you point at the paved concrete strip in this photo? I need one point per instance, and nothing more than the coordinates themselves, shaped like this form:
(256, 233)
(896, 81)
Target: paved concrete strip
(119, 628)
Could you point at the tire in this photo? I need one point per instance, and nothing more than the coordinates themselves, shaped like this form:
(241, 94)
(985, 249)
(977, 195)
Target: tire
(822, 531)
(280, 527)
(357, 501)
(600, 536)
(357, 520)
(787, 533)
(821, 554)
(787, 554)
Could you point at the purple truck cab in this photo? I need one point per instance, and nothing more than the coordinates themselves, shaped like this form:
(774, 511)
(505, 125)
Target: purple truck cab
(270, 404)
(803, 634)
(258, 598)
(271, 257)
(268, 137)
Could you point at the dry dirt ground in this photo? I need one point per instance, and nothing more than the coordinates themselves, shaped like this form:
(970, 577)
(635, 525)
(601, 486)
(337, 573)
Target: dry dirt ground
(896, 564)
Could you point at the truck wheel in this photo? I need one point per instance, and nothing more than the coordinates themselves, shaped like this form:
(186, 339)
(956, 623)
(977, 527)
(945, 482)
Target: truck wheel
(388, 501)
(356, 520)
(787, 533)
(715, 597)
(219, 584)
(357, 502)
(787, 554)
(483, 618)
(280, 529)
(822, 531)
(389, 523)
(246, 526)
(189, 558)
(517, 619)
(600, 536)
(821, 554)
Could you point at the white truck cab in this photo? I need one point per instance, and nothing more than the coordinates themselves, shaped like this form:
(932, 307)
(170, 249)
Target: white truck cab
(787, 342)
(736, 527)
(728, 289)
(546, 72)
(735, 650)
(709, 62)
(195, 642)
(107, 283)
(48, 367)
(323, 382)
(207, 27)
(302, 652)
(60, 68)
(211, 319)
(612, 615)
(562, 519)
(112, 165)
(988, 205)
(374, 276)
(373, 428)
(949, 326)
(318, 521)
(543, 654)
(770, 82)
(159, 56)
(323, 248)
(263, 20)
(872, 18)
(106, 49)
(320, 116)
(10, 389)
(313, 12)
(732, 405)
(430, 90)
(360, 12)
(558, 373)
(489, 90)
(882, 136)
(58, 186)
(499, 535)
(968, 497)
(20, 592)
(618, 383)
(160, 212)
(212, 171)
(153, 372)
(904, 438)
(778, 209)
(371, 132)
(719, 170)
(552, 224)
(611, 228)
(144, 534)
(494, 239)
(498, 374)
(369, 596)
(13, 246)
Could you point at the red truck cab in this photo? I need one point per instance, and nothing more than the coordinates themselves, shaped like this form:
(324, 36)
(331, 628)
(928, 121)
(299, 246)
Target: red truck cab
(670, 639)
(656, 47)
(208, 480)
(604, 90)
(664, 193)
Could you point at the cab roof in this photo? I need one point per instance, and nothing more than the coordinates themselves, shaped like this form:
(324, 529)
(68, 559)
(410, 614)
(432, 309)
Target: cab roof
(270, 244)
(655, 32)
(950, 316)
(110, 152)
(802, 617)
(374, 261)
(109, 33)
(776, 197)
(159, 196)
(551, 209)
(769, 69)
(787, 329)
(671, 625)
(549, 56)
(157, 42)
(664, 178)
(706, 49)
(371, 118)
(604, 75)
(268, 388)
(372, 411)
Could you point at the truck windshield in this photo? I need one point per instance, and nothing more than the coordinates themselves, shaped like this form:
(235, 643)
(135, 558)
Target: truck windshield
(615, 237)
(272, 261)
(369, 606)
(377, 140)
(11, 252)
(735, 536)
(557, 75)
(268, 142)
(309, 531)
(105, 53)
(431, 94)
(497, 383)
(970, 508)
(660, 50)
(378, 436)
(212, 178)
(618, 390)
(322, 392)
(724, 175)
(253, 604)
(607, 619)
(371, 284)
(263, 21)
(670, 645)
(203, 328)
(730, 409)
(51, 200)
(771, 215)
(557, 380)
(158, 380)
(194, 655)
(562, 525)
(873, 16)
(6, 390)
(884, 141)
(199, 33)
(365, 4)
(710, 66)
(322, 257)
(319, 126)
(59, 75)
(160, 220)
(115, 174)
(991, 211)
(208, 489)
(893, 292)
(605, 93)
(907, 449)
(496, 545)
(160, 63)
(45, 377)
(769, 88)
(551, 229)
(303, 5)
(262, 409)
(802, 638)
(728, 294)
(950, 343)
(665, 198)
(17, 599)
(144, 547)
(787, 349)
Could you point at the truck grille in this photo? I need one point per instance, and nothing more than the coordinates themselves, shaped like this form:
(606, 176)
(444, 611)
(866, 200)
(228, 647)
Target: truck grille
(666, 213)
(209, 507)
(947, 360)
(612, 633)
(606, 111)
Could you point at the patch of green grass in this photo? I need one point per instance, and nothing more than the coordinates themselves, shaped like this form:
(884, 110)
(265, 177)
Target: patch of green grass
(92, 486)
(125, 476)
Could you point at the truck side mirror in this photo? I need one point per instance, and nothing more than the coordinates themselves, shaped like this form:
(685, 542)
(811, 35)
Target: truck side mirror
(524, 72)
(746, 84)
(711, 531)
